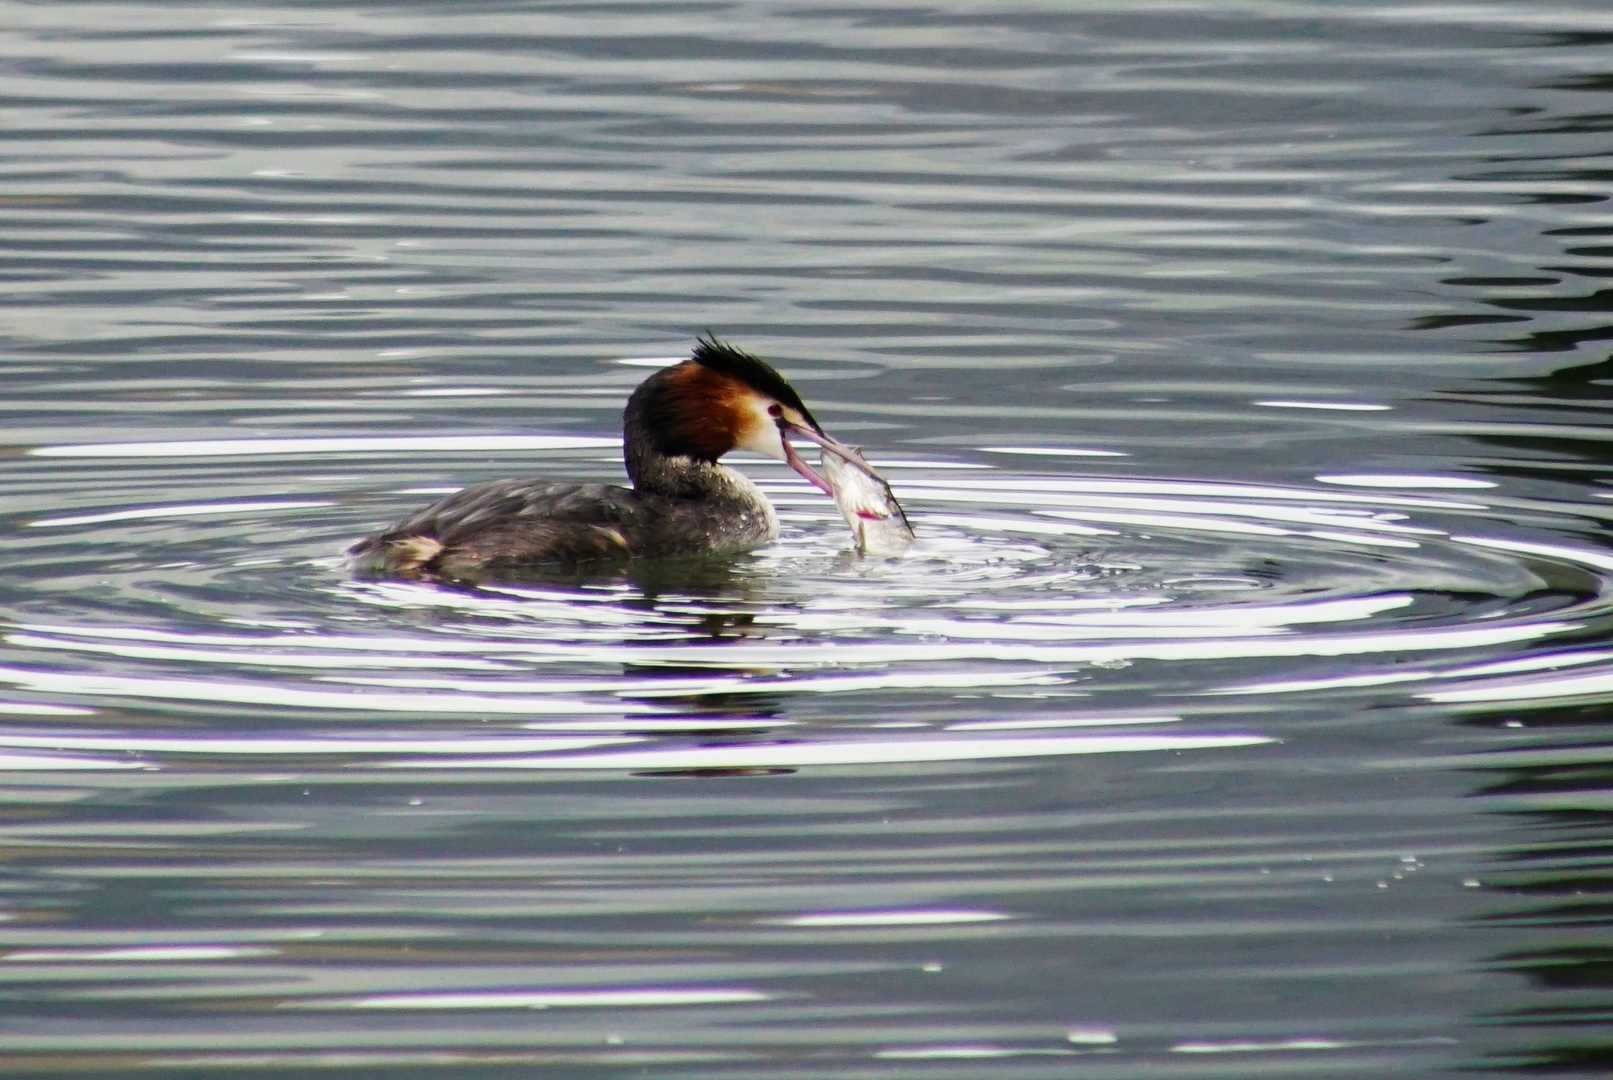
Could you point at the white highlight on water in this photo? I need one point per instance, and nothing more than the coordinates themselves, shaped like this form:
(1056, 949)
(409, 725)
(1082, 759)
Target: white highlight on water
(355, 445)
(1599, 560)
(1053, 451)
(1059, 722)
(505, 744)
(935, 917)
(1336, 406)
(142, 954)
(544, 999)
(854, 753)
(650, 361)
(242, 693)
(191, 510)
(966, 1052)
(1405, 480)
(60, 763)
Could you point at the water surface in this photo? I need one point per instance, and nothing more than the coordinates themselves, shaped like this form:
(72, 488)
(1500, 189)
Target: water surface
(1242, 367)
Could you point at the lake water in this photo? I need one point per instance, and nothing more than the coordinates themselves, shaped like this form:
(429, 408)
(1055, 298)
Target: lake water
(1243, 366)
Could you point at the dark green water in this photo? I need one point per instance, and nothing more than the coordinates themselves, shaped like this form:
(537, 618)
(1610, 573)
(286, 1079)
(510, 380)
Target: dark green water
(1244, 711)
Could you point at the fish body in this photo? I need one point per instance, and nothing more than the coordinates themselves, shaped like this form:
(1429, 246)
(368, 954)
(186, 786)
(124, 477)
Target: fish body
(866, 502)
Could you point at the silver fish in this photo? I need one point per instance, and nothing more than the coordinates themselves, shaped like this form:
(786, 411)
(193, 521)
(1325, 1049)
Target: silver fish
(866, 502)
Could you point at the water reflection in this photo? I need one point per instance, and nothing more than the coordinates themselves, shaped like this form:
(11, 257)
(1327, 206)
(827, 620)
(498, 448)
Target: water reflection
(1551, 886)
(1551, 783)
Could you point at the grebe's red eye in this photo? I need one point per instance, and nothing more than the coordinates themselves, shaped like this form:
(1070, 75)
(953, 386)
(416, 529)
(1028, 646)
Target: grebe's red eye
(775, 411)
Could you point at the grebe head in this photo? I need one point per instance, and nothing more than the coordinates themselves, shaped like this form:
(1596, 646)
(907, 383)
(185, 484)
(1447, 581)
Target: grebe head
(718, 400)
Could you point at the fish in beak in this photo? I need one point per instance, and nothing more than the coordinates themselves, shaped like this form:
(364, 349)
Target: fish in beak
(794, 460)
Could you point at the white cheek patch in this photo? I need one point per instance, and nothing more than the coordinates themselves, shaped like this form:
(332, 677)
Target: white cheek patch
(760, 433)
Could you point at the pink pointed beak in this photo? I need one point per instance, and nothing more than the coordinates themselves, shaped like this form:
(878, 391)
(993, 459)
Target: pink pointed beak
(795, 461)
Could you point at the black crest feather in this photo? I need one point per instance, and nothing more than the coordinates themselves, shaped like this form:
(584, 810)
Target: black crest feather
(753, 371)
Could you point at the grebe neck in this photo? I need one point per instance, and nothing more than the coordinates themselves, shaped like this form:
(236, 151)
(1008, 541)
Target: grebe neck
(717, 506)
(680, 477)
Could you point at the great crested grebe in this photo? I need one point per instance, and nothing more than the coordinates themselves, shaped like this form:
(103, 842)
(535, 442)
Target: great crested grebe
(676, 425)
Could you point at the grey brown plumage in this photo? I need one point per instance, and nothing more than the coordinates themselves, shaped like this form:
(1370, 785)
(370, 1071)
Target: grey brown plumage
(506, 526)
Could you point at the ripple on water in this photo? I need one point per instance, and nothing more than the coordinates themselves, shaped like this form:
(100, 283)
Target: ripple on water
(1072, 602)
